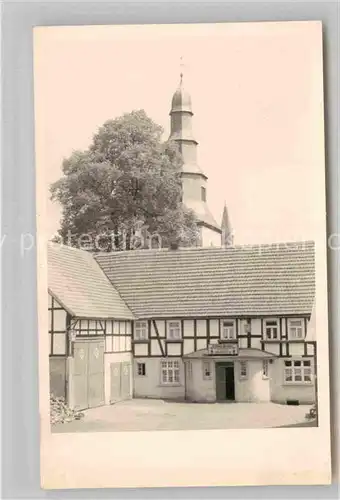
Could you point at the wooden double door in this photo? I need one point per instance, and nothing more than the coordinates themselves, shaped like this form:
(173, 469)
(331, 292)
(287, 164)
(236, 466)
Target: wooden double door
(120, 381)
(88, 374)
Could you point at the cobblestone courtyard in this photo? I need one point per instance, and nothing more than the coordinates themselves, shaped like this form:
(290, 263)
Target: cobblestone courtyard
(148, 415)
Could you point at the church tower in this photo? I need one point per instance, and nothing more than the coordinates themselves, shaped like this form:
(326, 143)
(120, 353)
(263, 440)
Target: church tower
(194, 179)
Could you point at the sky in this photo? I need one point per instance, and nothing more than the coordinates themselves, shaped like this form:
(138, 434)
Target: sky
(257, 99)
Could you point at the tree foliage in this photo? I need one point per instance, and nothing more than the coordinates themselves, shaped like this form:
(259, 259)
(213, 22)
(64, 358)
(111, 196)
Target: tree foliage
(127, 184)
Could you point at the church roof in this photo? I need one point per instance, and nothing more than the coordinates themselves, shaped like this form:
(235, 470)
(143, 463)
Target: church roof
(203, 213)
(254, 280)
(76, 280)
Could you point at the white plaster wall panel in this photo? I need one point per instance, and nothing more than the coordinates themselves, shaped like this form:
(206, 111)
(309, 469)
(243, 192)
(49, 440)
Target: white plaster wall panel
(59, 320)
(141, 349)
(272, 347)
(296, 349)
(173, 349)
(161, 327)
(116, 344)
(256, 326)
(188, 328)
(214, 332)
(122, 343)
(188, 346)
(155, 348)
(256, 343)
(201, 344)
(243, 343)
(108, 343)
(201, 328)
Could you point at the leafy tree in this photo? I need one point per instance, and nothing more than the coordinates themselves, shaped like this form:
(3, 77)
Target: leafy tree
(124, 190)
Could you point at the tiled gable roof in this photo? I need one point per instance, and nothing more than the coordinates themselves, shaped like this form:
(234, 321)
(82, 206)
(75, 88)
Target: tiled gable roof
(261, 280)
(78, 283)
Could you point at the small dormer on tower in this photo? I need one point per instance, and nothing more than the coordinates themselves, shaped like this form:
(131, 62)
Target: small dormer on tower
(194, 179)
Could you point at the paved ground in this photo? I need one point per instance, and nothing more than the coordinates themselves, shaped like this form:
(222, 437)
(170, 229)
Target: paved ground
(147, 415)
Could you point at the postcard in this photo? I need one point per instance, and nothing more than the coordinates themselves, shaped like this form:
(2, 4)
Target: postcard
(183, 330)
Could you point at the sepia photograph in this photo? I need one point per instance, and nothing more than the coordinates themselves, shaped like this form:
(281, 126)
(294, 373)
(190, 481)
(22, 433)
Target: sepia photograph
(182, 227)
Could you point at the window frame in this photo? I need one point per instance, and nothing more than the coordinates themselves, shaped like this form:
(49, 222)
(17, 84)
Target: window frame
(223, 327)
(138, 337)
(265, 369)
(141, 364)
(303, 368)
(290, 327)
(207, 364)
(169, 329)
(243, 373)
(277, 326)
(173, 369)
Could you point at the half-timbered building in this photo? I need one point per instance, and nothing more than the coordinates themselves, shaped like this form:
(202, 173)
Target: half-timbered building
(89, 331)
(197, 324)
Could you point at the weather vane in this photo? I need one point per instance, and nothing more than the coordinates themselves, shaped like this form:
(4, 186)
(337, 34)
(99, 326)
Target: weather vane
(181, 68)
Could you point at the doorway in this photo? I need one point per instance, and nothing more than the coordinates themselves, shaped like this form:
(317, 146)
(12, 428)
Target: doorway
(88, 374)
(225, 382)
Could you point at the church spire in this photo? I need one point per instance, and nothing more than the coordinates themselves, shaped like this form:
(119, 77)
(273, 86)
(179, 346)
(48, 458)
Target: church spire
(227, 232)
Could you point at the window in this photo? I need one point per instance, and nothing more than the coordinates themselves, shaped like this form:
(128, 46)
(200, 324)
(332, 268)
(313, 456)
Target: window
(174, 330)
(271, 329)
(203, 194)
(228, 331)
(170, 372)
(141, 371)
(206, 370)
(141, 330)
(265, 368)
(243, 370)
(295, 329)
(298, 372)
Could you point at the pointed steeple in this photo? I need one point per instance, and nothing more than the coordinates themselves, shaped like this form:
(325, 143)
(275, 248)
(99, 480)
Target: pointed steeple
(227, 231)
(194, 180)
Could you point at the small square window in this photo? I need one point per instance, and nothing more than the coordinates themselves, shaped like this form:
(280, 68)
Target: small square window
(141, 369)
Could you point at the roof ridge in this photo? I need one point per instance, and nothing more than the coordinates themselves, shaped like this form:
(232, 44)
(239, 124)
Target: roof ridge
(205, 249)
